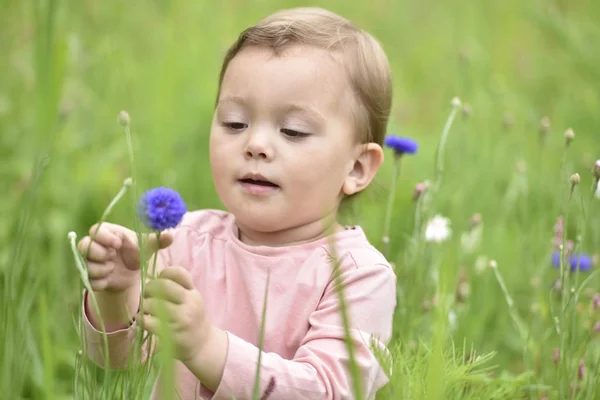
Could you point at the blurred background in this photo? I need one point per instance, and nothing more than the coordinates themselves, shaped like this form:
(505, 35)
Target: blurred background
(68, 67)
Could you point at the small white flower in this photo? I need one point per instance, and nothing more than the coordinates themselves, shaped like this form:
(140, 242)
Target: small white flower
(438, 229)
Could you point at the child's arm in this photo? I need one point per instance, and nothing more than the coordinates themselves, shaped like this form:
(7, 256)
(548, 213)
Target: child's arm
(320, 368)
(117, 320)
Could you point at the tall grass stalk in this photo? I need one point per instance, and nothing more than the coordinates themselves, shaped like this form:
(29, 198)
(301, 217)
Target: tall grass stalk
(390, 206)
(261, 336)
(357, 386)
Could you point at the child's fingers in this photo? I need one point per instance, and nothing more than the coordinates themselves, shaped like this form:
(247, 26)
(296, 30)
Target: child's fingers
(99, 285)
(160, 308)
(99, 253)
(179, 275)
(98, 271)
(108, 235)
(166, 290)
(151, 324)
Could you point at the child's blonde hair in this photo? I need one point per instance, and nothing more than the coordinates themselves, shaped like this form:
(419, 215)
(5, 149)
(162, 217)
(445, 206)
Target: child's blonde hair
(366, 64)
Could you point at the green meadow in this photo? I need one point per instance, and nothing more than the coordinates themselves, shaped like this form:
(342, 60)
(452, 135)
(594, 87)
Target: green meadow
(483, 314)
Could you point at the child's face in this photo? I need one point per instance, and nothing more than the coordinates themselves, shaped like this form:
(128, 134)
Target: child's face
(286, 120)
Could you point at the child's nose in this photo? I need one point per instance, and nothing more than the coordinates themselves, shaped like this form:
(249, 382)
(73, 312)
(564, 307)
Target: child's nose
(258, 146)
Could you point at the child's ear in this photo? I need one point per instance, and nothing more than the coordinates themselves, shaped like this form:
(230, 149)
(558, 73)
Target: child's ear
(364, 169)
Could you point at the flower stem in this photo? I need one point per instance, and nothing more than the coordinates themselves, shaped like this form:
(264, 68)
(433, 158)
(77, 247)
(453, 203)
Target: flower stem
(439, 162)
(80, 264)
(256, 392)
(126, 184)
(563, 386)
(390, 207)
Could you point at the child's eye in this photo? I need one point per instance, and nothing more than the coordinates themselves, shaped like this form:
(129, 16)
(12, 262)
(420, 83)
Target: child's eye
(294, 134)
(236, 126)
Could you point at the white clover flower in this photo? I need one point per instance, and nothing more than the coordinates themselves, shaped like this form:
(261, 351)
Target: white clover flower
(438, 229)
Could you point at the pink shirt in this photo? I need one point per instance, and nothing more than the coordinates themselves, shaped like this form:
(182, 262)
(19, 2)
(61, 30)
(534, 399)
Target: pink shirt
(304, 355)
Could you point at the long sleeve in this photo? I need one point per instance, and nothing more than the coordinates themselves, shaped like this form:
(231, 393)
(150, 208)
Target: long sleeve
(119, 341)
(320, 369)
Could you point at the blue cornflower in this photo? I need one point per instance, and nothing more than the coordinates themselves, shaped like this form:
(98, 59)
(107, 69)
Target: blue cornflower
(161, 208)
(584, 261)
(401, 145)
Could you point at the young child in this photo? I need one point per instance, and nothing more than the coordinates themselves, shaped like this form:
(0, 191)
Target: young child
(302, 107)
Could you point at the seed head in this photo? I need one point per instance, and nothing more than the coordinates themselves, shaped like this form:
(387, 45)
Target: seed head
(123, 118)
(493, 264)
(456, 102)
(72, 235)
(575, 179)
(569, 136)
(128, 182)
(544, 126)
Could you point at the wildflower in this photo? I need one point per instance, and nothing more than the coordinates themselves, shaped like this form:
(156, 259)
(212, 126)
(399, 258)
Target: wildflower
(470, 239)
(596, 170)
(596, 301)
(583, 261)
(161, 208)
(438, 229)
(123, 118)
(401, 145)
(569, 136)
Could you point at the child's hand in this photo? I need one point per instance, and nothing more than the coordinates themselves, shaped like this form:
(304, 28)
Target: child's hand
(114, 256)
(173, 299)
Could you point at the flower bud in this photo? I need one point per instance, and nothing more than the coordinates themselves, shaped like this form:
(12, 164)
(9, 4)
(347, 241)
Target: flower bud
(493, 264)
(456, 102)
(581, 370)
(569, 136)
(72, 236)
(420, 188)
(597, 170)
(128, 182)
(575, 179)
(123, 118)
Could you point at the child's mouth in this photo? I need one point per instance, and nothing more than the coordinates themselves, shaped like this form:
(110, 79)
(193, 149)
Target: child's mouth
(258, 182)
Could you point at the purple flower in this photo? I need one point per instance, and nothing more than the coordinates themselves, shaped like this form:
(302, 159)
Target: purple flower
(401, 145)
(584, 261)
(161, 208)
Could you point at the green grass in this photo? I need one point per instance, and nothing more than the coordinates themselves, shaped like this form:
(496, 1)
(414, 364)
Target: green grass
(68, 68)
